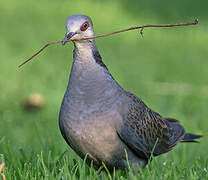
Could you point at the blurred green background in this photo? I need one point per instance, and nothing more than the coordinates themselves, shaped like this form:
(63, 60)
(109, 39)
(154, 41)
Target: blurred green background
(167, 68)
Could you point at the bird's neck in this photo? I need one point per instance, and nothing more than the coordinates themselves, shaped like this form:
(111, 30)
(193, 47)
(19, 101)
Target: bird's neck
(90, 81)
(87, 54)
(83, 51)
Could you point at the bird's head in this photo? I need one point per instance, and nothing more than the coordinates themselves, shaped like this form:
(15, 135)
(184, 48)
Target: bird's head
(78, 26)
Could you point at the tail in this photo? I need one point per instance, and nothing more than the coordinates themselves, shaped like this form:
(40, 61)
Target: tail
(191, 138)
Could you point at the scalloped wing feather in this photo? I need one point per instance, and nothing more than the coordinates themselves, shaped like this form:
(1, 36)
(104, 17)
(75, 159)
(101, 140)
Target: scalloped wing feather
(142, 127)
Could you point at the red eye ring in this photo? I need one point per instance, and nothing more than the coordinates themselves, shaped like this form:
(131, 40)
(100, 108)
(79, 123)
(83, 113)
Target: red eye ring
(84, 26)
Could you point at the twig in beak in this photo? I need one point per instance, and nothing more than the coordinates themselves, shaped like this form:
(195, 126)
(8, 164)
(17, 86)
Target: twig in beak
(109, 34)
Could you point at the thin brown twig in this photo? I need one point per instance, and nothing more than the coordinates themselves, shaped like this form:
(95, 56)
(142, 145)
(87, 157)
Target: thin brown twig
(109, 34)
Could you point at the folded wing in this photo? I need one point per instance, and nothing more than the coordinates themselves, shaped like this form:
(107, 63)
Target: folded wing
(142, 128)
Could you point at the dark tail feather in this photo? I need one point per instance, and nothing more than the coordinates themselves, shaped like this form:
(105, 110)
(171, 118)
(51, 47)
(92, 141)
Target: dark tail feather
(191, 137)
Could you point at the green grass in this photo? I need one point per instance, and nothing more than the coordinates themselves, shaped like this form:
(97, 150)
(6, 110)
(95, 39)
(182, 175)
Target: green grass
(167, 69)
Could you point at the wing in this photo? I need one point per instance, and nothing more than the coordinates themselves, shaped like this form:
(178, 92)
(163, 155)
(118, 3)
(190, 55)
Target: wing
(142, 128)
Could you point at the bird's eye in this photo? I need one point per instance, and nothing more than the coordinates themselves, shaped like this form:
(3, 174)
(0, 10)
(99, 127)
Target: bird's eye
(84, 26)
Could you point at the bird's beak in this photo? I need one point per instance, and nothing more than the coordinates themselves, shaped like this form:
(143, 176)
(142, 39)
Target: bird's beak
(68, 36)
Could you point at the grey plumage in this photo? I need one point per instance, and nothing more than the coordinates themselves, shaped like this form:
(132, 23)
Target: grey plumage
(99, 118)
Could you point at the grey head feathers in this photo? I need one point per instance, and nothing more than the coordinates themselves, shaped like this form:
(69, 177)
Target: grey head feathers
(78, 26)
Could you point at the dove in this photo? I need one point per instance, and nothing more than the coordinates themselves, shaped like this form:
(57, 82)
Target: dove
(101, 120)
